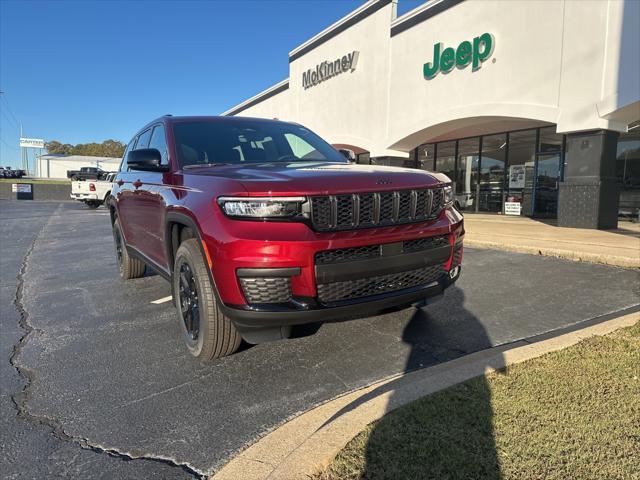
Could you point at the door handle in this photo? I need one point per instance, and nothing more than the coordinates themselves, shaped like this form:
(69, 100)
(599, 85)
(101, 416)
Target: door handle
(120, 182)
(137, 183)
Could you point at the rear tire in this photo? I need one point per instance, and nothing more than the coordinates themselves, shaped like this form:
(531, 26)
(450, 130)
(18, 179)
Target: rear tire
(208, 333)
(129, 267)
(93, 204)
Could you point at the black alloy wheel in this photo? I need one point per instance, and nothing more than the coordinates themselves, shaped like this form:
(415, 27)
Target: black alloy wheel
(189, 303)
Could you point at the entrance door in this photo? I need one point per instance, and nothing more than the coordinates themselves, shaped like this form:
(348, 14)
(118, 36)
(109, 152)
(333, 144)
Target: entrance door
(547, 179)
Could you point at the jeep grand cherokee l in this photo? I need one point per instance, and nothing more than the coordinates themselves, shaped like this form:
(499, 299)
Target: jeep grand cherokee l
(261, 225)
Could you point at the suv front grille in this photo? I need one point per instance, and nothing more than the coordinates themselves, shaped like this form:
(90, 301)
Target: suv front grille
(365, 287)
(363, 210)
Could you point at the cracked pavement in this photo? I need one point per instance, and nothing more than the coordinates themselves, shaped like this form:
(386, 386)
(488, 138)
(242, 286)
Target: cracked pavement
(107, 390)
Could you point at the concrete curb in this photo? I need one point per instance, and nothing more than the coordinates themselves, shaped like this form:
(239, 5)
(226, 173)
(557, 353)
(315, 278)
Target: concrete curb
(307, 443)
(612, 260)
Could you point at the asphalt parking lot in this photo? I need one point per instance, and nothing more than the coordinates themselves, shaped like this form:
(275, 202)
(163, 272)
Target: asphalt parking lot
(110, 391)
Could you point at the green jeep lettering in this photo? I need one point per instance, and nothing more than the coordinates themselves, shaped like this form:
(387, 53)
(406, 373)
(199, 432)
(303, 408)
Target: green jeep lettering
(466, 53)
(431, 69)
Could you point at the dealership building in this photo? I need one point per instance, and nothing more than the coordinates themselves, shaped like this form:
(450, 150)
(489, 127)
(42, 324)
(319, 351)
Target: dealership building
(531, 107)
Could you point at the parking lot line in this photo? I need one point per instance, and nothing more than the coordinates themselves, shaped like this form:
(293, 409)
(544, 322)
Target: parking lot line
(162, 300)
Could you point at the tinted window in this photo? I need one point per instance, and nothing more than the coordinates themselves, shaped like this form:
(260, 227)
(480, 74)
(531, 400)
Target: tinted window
(143, 139)
(249, 141)
(158, 142)
(123, 164)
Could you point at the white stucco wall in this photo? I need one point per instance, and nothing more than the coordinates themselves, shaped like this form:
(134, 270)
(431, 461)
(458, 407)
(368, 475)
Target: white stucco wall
(350, 108)
(566, 62)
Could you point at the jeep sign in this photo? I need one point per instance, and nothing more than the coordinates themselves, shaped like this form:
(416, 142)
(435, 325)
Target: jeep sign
(328, 69)
(467, 52)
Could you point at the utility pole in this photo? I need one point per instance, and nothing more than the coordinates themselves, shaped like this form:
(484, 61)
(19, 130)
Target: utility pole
(23, 151)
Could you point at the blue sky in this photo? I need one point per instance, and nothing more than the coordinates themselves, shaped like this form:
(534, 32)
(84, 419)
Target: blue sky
(83, 71)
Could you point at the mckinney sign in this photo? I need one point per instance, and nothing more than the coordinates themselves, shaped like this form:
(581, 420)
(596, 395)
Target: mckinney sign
(466, 53)
(328, 69)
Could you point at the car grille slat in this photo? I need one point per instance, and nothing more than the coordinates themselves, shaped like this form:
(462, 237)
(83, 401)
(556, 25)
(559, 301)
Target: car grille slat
(373, 209)
(380, 284)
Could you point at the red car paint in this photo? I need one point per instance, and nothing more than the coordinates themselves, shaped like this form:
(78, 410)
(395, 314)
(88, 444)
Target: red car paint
(148, 204)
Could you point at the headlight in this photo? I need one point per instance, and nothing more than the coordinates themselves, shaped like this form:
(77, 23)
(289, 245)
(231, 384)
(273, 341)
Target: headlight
(262, 207)
(448, 196)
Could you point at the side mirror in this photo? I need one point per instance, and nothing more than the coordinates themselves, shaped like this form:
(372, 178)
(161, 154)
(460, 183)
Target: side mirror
(348, 154)
(147, 159)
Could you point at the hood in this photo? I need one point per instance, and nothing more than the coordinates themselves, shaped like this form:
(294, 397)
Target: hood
(313, 178)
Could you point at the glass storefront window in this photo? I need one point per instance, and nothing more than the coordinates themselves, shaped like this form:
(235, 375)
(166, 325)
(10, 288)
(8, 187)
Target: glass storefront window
(467, 178)
(426, 156)
(522, 167)
(446, 159)
(492, 168)
(628, 172)
(520, 176)
(550, 141)
(363, 158)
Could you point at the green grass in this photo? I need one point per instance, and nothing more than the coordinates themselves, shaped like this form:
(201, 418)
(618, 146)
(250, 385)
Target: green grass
(43, 181)
(572, 414)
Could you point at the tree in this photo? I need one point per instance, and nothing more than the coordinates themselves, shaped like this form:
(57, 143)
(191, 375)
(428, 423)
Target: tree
(108, 148)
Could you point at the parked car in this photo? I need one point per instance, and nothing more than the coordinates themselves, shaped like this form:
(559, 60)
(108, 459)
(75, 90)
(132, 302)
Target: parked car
(261, 225)
(86, 173)
(8, 172)
(93, 192)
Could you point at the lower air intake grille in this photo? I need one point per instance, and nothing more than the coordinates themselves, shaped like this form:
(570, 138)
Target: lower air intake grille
(365, 287)
(266, 290)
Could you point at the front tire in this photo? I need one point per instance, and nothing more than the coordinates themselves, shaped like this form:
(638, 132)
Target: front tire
(208, 333)
(129, 267)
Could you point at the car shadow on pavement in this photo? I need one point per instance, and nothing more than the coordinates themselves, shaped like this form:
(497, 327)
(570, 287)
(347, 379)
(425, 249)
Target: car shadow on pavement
(448, 434)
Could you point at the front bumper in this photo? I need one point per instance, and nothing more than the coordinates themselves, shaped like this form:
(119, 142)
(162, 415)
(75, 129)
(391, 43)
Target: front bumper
(289, 250)
(248, 318)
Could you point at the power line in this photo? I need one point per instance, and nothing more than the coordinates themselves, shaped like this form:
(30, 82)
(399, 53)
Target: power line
(6, 102)
(14, 125)
(9, 146)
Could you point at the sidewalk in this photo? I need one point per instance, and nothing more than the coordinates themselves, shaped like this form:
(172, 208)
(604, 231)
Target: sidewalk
(620, 247)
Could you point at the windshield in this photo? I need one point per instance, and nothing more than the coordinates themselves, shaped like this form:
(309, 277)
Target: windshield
(249, 141)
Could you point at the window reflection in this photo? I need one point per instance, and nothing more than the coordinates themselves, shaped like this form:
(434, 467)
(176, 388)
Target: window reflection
(492, 163)
(467, 178)
(522, 157)
(426, 156)
(628, 172)
(446, 159)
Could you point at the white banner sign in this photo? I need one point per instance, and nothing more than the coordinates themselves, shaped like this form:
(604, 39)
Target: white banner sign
(516, 176)
(21, 187)
(32, 142)
(512, 208)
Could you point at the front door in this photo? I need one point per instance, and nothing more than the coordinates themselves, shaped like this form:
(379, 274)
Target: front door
(547, 179)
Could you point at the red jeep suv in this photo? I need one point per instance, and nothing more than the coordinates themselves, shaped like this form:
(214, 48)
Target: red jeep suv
(261, 226)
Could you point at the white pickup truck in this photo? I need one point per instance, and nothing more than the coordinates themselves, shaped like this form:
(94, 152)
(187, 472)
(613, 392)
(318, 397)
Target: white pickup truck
(92, 192)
